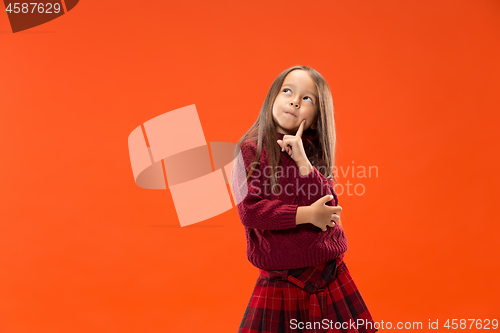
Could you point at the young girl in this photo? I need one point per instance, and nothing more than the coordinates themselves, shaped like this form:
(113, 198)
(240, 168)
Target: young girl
(287, 204)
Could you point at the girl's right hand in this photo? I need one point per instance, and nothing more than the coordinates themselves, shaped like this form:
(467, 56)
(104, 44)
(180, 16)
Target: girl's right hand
(324, 215)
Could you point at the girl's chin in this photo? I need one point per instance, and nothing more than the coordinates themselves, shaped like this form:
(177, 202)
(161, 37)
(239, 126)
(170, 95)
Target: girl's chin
(288, 132)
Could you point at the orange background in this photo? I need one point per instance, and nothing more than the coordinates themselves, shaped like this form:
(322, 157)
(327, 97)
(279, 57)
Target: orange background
(415, 88)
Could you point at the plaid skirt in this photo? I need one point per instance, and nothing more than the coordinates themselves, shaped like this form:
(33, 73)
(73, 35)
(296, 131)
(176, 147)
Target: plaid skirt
(321, 298)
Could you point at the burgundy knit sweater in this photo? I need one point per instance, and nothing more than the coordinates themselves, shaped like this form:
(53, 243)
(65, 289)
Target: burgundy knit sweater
(274, 240)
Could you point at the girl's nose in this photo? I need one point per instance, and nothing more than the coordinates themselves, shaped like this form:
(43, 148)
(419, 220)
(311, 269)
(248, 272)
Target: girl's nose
(293, 103)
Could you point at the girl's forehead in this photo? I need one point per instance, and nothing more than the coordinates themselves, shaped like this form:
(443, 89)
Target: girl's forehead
(298, 75)
(300, 78)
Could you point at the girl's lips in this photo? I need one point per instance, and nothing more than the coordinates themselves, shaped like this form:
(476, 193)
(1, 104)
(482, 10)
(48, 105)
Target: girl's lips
(291, 114)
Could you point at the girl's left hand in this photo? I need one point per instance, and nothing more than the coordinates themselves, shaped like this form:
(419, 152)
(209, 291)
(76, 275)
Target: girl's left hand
(293, 145)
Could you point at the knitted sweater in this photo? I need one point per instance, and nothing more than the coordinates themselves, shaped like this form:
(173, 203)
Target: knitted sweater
(274, 240)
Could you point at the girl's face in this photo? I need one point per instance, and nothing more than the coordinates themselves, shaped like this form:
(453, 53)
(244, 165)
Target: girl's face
(296, 101)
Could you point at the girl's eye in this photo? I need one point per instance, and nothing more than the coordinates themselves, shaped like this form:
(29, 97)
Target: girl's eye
(285, 90)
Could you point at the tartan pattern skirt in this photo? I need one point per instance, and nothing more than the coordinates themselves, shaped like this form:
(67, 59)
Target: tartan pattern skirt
(321, 298)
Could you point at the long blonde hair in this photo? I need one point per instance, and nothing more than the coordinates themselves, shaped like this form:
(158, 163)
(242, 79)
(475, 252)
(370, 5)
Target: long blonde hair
(320, 151)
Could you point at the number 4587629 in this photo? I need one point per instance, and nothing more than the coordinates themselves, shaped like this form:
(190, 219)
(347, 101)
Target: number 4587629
(474, 323)
(36, 7)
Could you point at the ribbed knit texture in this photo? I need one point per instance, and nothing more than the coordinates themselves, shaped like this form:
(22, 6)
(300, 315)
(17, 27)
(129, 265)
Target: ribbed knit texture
(274, 241)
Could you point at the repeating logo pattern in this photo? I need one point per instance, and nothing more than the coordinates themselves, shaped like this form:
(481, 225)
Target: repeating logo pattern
(174, 142)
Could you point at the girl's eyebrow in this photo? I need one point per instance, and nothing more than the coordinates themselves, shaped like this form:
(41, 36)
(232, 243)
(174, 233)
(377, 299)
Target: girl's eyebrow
(309, 92)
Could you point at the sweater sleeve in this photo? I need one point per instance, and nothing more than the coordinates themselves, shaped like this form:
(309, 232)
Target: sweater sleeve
(314, 186)
(335, 201)
(255, 211)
